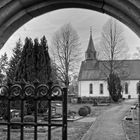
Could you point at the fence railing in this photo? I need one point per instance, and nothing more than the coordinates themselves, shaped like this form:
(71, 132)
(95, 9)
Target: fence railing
(35, 92)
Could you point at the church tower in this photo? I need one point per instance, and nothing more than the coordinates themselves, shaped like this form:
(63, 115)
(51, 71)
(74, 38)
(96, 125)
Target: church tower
(90, 54)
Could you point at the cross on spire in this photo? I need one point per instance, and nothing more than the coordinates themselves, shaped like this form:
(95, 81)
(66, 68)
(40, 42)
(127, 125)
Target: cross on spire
(91, 30)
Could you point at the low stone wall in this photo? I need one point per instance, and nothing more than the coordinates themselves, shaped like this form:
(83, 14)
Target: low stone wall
(93, 100)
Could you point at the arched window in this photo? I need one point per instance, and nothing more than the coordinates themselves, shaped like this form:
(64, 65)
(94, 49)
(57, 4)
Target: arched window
(90, 88)
(101, 89)
(137, 87)
(126, 88)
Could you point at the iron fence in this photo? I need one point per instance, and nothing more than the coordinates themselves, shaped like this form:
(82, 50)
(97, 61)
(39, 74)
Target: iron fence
(36, 92)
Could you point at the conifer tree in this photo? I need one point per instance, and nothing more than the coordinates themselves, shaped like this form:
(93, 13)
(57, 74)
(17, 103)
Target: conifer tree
(14, 60)
(3, 67)
(35, 62)
(25, 68)
(34, 65)
(114, 87)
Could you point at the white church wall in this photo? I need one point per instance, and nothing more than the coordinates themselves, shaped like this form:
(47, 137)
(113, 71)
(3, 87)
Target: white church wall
(84, 89)
(132, 88)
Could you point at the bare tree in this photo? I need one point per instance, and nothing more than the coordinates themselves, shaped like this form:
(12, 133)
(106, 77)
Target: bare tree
(114, 50)
(113, 46)
(66, 52)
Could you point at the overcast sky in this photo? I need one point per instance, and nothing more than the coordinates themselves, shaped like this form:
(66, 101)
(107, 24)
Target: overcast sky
(80, 19)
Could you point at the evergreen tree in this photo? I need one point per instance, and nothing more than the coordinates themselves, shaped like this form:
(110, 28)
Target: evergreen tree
(114, 86)
(25, 69)
(35, 62)
(14, 60)
(12, 67)
(45, 62)
(34, 65)
(3, 67)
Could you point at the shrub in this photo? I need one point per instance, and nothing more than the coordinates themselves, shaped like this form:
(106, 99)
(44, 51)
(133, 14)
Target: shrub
(93, 100)
(42, 106)
(83, 111)
(45, 118)
(79, 100)
(89, 109)
(29, 118)
(71, 114)
(95, 103)
(129, 96)
(57, 115)
(16, 119)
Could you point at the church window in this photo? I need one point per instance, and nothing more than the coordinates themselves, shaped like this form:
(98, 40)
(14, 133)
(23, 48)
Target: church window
(91, 88)
(137, 88)
(101, 88)
(126, 88)
(88, 55)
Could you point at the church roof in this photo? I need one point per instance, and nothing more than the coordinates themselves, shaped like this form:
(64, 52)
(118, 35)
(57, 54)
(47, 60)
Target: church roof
(127, 69)
(93, 69)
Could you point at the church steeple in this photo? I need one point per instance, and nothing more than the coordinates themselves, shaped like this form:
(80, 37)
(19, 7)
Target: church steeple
(90, 54)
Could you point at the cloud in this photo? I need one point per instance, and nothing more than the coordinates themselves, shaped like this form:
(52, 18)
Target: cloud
(81, 20)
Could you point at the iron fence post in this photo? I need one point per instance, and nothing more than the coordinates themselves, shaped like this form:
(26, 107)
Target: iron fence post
(22, 110)
(8, 110)
(8, 116)
(49, 110)
(35, 109)
(64, 128)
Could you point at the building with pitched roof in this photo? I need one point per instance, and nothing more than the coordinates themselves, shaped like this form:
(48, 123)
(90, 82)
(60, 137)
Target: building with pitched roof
(92, 79)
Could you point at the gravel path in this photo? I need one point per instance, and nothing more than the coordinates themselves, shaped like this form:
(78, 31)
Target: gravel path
(108, 126)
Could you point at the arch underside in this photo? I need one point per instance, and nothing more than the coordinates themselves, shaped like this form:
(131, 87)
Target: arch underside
(15, 13)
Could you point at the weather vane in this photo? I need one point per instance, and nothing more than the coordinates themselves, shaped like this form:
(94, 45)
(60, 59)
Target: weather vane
(91, 29)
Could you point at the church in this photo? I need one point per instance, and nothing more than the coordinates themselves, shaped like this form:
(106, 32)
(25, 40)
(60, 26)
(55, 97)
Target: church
(92, 79)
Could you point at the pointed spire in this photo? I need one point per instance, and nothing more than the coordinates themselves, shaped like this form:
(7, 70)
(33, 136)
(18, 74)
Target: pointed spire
(91, 52)
(91, 44)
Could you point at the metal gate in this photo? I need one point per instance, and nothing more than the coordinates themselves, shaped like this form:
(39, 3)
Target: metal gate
(37, 92)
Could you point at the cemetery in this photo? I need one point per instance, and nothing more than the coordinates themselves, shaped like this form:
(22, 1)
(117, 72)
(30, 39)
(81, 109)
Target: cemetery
(76, 125)
(131, 122)
(80, 116)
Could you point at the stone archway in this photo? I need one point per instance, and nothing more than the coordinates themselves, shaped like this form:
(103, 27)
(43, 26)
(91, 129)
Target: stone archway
(14, 13)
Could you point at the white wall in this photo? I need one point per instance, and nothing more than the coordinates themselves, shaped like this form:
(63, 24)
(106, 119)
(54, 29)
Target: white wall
(83, 88)
(132, 88)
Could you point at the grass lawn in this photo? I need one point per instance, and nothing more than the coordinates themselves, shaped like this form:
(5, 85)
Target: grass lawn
(132, 127)
(76, 129)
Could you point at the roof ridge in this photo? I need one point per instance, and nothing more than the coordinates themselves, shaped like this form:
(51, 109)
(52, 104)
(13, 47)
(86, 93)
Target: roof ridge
(88, 72)
(121, 60)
